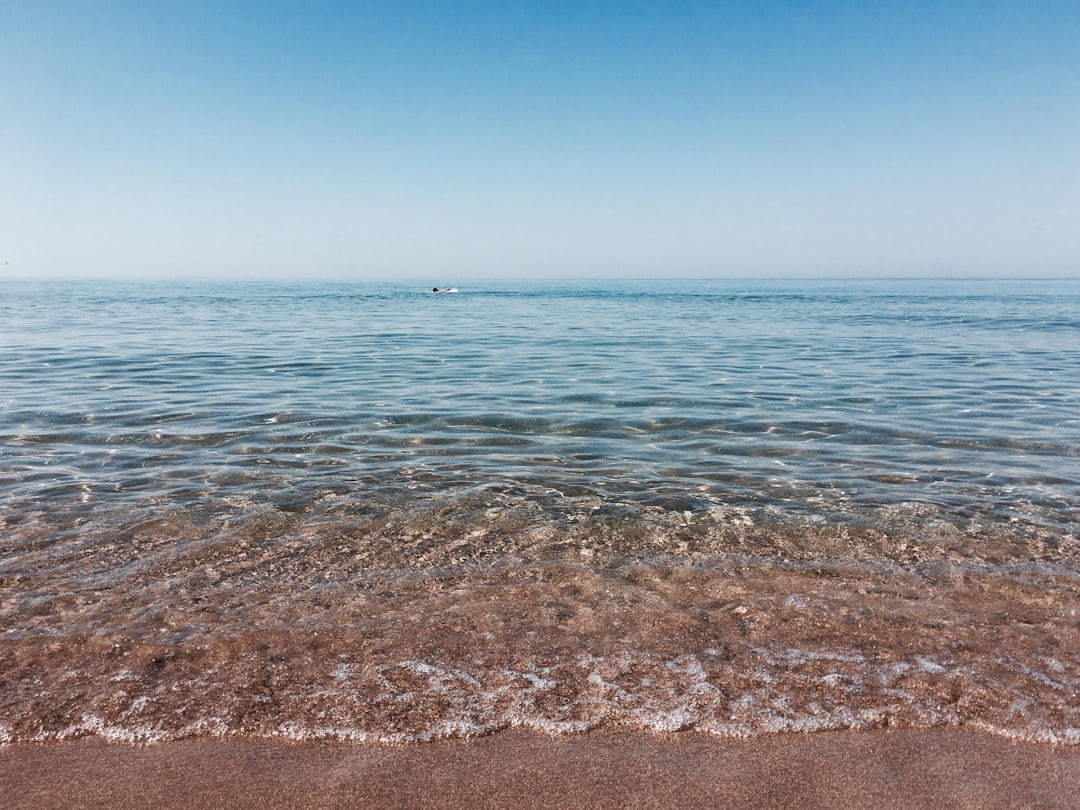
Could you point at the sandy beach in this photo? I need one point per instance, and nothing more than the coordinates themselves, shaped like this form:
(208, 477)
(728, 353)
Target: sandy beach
(778, 544)
(607, 768)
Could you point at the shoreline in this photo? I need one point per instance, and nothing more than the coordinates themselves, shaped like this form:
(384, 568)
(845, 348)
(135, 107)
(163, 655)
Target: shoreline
(604, 768)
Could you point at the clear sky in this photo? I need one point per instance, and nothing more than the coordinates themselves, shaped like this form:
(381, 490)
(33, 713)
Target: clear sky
(467, 140)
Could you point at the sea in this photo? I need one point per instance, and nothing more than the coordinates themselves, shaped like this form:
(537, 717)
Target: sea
(359, 511)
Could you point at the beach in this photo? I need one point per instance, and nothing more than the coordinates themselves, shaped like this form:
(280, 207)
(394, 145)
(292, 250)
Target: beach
(601, 769)
(530, 405)
(359, 545)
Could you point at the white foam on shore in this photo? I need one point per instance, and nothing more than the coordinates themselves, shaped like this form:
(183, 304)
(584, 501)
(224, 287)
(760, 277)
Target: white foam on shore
(780, 690)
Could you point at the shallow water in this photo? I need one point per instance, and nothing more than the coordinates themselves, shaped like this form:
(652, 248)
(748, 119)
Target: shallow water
(366, 511)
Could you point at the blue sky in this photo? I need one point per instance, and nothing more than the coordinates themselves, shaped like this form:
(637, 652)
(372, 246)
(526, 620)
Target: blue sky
(453, 141)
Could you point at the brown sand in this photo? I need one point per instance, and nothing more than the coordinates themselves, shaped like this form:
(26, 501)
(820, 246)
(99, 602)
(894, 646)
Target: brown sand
(945, 768)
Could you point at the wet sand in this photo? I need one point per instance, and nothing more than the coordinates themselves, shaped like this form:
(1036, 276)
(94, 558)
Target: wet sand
(607, 768)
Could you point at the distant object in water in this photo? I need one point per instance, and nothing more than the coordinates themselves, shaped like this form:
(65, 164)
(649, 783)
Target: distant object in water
(444, 289)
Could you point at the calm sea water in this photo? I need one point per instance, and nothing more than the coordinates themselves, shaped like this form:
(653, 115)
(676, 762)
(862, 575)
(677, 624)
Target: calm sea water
(367, 511)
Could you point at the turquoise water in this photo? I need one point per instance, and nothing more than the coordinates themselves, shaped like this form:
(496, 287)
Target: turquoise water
(829, 399)
(237, 463)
